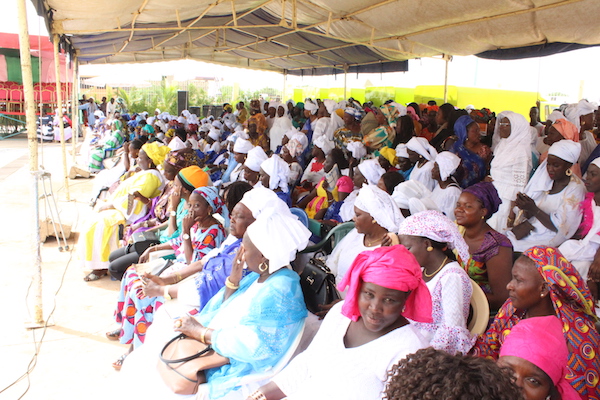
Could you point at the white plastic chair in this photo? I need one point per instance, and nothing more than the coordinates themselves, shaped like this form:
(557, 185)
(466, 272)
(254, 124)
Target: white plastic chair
(481, 310)
(250, 383)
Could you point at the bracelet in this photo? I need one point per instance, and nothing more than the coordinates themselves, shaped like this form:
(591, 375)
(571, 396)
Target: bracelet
(178, 277)
(258, 395)
(145, 224)
(203, 335)
(166, 294)
(231, 285)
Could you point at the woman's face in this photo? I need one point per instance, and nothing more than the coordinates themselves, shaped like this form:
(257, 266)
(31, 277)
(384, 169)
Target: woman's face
(592, 179)
(385, 164)
(404, 163)
(169, 171)
(534, 382)
(469, 210)
(252, 255)
(133, 153)
(381, 184)
(264, 178)
(525, 288)
(439, 118)
(240, 218)
(239, 157)
(250, 176)
(307, 114)
(553, 136)
(381, 120)
(329, 162)
(417, 246)
(358, 179)
(413, 156)
(198, 207)
(348, 119)
(504, 127)
(362, 220)
(144, 161)
(557, 167)
(473, 132)
(380, 307)
(252, 128)
(280, 111)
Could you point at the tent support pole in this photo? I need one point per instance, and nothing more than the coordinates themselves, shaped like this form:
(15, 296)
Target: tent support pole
(345, 81)
(74, 108)
(59, 111)
(284, 84)
(447, 59)
(27, 73)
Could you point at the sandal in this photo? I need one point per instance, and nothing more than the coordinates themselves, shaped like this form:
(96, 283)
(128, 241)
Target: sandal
(95, 275)
(114, 335)
(119, 363)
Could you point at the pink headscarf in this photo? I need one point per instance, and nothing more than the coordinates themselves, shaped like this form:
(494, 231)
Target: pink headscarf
(567, 129)
(540, 341)
(393, 268)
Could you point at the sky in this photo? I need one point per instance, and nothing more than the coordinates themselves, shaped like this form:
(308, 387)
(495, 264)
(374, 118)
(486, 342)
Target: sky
(573, 73)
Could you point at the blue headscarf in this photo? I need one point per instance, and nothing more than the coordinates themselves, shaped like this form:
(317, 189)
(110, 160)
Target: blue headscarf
(211, 195)
(472, 168)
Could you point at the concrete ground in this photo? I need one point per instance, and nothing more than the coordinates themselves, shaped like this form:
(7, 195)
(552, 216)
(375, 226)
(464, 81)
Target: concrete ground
(74, 358)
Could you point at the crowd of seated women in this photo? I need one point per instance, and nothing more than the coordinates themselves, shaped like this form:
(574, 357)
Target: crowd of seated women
(202, 229)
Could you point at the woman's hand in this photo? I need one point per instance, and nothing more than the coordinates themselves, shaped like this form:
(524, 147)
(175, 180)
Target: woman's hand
(594, 272)
(145, 255)
(188, 222)
(175, 197)
(189, 327)
(154, 286)
(527, 204)
(522, 230)
(237, 267)
(390, 239)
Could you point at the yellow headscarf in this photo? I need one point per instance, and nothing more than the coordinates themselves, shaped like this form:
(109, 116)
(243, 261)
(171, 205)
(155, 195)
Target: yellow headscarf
(389, 154)
(156, 152)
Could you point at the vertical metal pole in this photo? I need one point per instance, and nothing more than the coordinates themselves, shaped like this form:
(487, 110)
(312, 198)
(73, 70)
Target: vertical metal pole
(60, 119)
(75, 108)
(345, 82)
(447, 59)
(283, 98)
(27, 73)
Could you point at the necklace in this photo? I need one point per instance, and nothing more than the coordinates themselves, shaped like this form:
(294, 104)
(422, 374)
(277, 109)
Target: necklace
(369, 244)
(437, 270)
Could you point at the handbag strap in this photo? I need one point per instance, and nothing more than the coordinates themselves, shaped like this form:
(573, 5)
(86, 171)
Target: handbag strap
(184, 359)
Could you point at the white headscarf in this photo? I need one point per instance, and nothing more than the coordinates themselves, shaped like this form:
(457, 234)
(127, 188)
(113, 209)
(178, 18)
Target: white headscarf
(261, 198)
(298, 142)
(329, 105)
(401, 151)
(407, 190)
(421, 145)
(242, 146)
(176, 144)
(380, 206)
(321, 128)
(574, 111)
(448, 163)
(278, 171)
(357, 149)
(371, 170)
(324, 144)
(555, 115)
(312, 107)
(255, 158)
(214, 135)
(278, 236)
(566, 150)
(436, 226)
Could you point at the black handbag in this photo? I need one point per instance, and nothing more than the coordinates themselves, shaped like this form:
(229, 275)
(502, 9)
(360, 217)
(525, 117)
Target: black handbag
(143, 240)
(318, 285)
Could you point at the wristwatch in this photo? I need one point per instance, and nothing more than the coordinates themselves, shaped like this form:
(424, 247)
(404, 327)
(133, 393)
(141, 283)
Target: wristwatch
(172, 213)
(186, 236)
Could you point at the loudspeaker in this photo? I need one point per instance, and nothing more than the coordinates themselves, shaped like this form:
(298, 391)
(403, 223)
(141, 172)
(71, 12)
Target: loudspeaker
(182, 101)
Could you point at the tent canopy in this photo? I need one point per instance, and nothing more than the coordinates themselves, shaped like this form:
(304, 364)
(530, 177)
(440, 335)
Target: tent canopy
(316, 36)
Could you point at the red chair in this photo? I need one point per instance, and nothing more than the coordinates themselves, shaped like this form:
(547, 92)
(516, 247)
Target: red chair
(16, 101)
(47, 96)
(4, 94)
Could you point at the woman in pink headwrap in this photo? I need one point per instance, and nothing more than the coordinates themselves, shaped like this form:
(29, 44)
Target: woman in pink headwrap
(385, 290)
(536, 351)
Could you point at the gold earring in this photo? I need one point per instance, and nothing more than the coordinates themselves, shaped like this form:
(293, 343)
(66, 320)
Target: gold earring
(373, 221)
(568, 172)
(263, 266)
(483, 217)
(429, 248)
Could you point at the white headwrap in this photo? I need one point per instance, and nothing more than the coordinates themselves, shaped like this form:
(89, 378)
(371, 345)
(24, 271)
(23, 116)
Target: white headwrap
(401, 108)
(242, 146)
(584, 107)
(401, 151)
(298, 142)
(596, 162)
(255, 158)
(261, 198)
(436, 226)
(176, 144)
(567, 150)
(371, 170)
(555, 115)
(217, 124)
(329, 105)
(380, 206)
(278, 236)
(421, 145)
(574, 111)
(278, 171)
(357, 149)
(150, 120)
(214, 135)
(312, 107)
(407, 190)
(448, 163)
(321, 128)
(324, 144)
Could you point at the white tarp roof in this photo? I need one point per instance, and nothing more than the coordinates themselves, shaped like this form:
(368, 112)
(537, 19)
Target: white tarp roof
(317, 35)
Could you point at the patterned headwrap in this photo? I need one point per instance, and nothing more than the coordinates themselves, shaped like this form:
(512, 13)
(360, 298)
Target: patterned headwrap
(391, 267)
(380, 206)
(157, 152)
(435, 226)
(540, 341)
(211, 195)
(183, 158)
(193, 177)
(391, 114)
(354, 112)
(488, 195)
